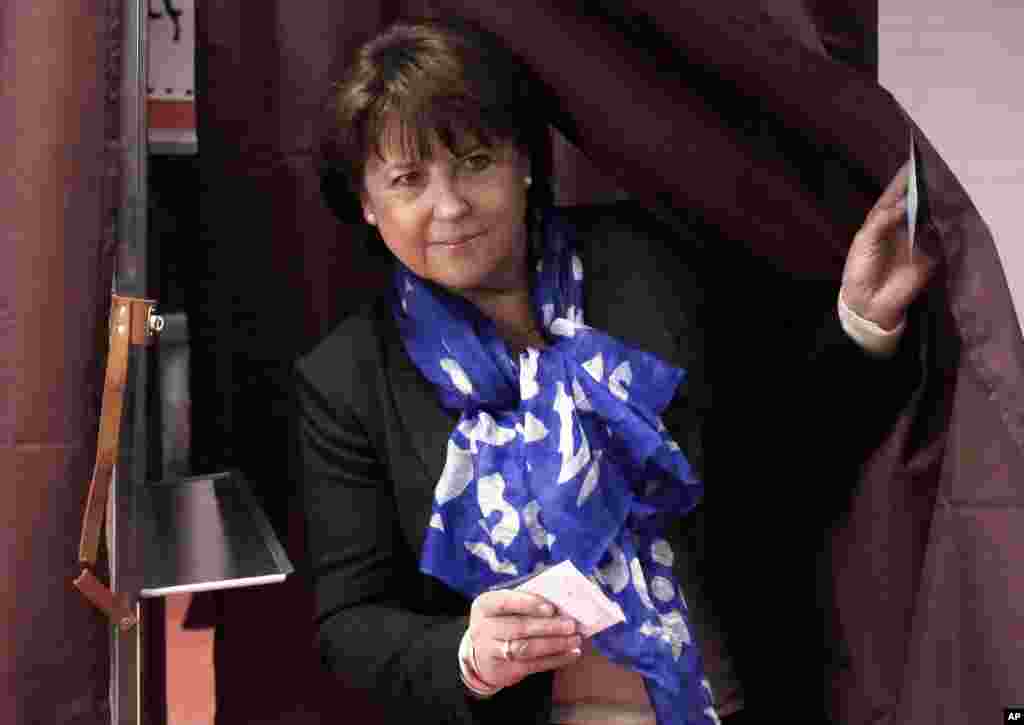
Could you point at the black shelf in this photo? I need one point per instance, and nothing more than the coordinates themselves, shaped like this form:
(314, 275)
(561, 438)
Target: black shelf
(204, 533)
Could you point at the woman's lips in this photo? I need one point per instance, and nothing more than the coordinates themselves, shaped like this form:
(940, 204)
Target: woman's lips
(456, 241)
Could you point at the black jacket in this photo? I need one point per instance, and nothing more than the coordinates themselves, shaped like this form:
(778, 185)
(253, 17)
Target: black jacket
(374, 436)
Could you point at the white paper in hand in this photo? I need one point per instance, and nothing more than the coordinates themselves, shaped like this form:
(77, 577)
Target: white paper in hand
(912, 198)
(576, 596)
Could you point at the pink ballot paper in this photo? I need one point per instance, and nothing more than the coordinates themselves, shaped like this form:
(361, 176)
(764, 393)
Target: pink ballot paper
(573, 594)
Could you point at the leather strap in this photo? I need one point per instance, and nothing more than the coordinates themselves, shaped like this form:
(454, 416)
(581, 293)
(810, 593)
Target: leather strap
(132, 322)
(115, 606)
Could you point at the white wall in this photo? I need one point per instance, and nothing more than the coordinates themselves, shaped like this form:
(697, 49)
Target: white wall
(958, 67)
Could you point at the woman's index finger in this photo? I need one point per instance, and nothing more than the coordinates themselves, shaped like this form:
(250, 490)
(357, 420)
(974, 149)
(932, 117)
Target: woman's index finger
(505, 602)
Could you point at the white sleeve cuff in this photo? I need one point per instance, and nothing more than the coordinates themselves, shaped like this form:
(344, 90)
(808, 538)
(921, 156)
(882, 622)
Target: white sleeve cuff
(869, 336)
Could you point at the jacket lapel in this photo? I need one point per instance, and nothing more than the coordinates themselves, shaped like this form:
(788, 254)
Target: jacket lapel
(426, 427)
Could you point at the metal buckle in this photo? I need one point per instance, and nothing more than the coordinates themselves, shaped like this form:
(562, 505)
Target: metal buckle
(154, 322)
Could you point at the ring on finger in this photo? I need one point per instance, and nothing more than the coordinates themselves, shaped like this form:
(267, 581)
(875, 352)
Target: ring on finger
(512, 649)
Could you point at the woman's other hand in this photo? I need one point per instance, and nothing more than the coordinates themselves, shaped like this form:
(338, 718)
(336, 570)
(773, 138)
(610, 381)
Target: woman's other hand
(883, 275)
(538, 639)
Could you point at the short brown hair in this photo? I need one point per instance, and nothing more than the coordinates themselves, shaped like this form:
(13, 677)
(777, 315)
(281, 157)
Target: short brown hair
(426, 79)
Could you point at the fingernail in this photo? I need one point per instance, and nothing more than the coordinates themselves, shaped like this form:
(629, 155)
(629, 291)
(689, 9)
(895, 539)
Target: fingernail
(577, 651)
(547, 610)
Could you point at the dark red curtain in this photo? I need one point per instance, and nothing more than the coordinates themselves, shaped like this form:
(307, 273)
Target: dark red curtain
(59, 195)
(764, 126)
(274, 272)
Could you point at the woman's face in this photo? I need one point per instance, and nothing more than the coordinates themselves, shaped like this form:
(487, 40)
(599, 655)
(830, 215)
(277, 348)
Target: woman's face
(456, 218)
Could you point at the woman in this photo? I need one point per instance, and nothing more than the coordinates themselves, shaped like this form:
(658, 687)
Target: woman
(515, 400)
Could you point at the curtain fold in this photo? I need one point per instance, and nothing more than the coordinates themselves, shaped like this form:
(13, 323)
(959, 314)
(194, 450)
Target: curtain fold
(665, 115)
(275, 271)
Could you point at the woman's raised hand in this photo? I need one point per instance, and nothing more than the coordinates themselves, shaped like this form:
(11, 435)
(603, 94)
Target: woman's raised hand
(515, 634)
(883, 275)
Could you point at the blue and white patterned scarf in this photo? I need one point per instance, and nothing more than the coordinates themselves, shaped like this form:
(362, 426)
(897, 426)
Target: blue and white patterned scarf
(561, 455)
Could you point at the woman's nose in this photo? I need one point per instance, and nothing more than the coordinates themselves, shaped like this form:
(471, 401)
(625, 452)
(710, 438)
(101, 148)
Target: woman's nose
(450, 202)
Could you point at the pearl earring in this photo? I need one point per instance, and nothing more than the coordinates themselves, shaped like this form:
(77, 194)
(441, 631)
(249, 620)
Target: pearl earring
(528, 180)
(371, 218)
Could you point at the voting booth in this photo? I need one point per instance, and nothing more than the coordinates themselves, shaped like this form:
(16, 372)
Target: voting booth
(769, 133)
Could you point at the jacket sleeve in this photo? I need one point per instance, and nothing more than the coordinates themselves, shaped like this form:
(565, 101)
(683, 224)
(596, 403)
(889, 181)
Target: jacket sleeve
(373, 629)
